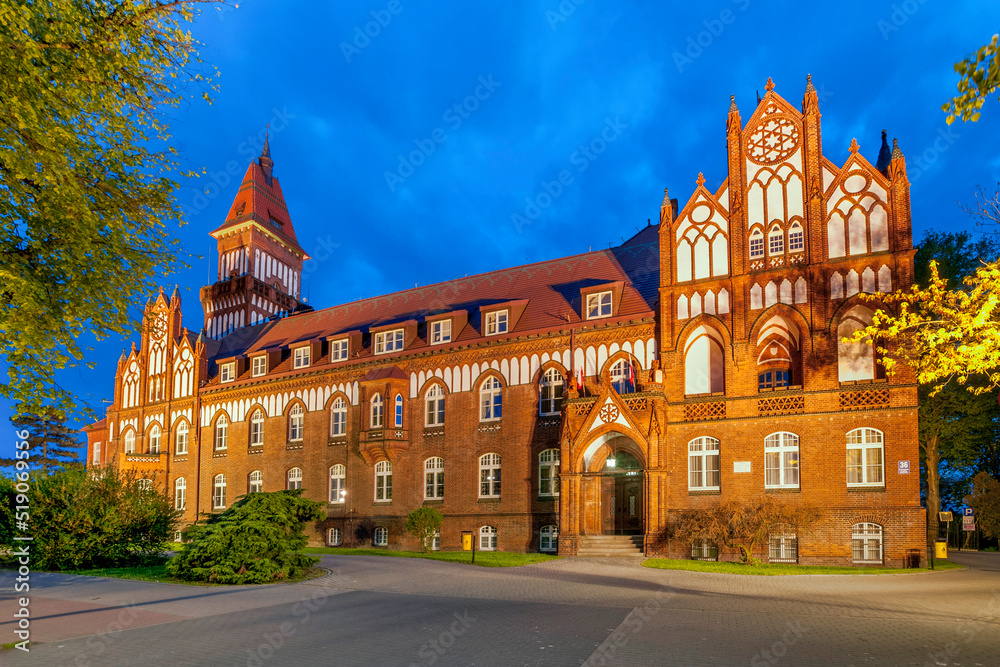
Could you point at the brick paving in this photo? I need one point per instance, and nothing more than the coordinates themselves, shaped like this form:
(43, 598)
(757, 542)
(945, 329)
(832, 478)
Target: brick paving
(386, 611)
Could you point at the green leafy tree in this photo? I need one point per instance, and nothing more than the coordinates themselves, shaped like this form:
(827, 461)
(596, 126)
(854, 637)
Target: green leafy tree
(985, 501)
(253, 542)
(51, 444)
(979, 77)
(86, 174)
(422, 523)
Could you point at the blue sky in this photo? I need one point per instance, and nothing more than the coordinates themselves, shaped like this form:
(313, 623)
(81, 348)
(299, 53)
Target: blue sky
(345, 107)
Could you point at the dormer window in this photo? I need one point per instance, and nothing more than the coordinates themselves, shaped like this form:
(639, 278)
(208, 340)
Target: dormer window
(388, 341)
(338, 350)
(440, 332)
(259, 366)
(756, 244)
(301, 359)
(276, 223)
(496, 322)
(227, 372)
(599, 305)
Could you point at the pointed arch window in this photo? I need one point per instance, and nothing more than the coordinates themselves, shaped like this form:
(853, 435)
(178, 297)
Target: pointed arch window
(180, 493)
(181, 439)
(154, 439)
(296, 420)
(130, 442)
(756, 244)
(855, 361)
(796, 238)
(623, 377)
(399, 411)
(491, 400)
(376, 411)
(434, 406)
(222, 433)
(775, 241)
(550, 392)
(704, 365)
(338, 417)
(257, 428)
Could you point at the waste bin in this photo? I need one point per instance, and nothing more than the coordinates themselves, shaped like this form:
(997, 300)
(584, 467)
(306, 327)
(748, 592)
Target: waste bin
(941, 548)
(912, 558)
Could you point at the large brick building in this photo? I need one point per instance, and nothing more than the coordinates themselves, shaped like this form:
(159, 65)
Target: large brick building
(698, 362)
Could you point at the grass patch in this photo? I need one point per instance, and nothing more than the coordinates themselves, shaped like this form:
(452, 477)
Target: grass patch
(4, 647)
(483, 558)
(776, 569)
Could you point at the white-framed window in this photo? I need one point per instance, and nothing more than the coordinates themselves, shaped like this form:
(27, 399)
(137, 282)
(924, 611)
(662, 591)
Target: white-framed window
(775, 241)
(130, 442)
(96, 457)
(222, 432)
(219, 492)
(301, 357)
(796, 238)
(434, 406)
(399, 411)
(154, 439)
(145, 484)
(704, 470)
(550, 392)
(783, 548)
(255, 482)
(339, 349)
(864, 457)
(383, 481)
(381, 537)
(598, 305)
(704, 549)
(434, 478)
(181, 439)
(548, 473)
(227, 372)
(258, 366)
(490, 400)
(548, 539)
(436, 541)
(388, 341)
(756, 244)
(296, 421)
(866, 543)
(180, 493)
(257, 428)
(496, 322)
(333, 537)
(781, 460)
(294, 479)
(338, 486)
(376, 411)
(440, 332)
(488, 538)
(623, 376)
(489, 476)
(338, 417)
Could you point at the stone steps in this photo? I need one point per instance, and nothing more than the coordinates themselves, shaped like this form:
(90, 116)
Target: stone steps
(610, 545)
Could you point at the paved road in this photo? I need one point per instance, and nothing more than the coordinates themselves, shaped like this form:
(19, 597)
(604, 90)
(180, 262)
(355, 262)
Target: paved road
(401, 611)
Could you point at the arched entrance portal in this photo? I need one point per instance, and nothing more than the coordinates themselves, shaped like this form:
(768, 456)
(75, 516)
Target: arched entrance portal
(621, 494)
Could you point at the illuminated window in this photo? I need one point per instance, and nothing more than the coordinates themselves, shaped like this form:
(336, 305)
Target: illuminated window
(496, 322)
(598, 305)
(781, 461)
(864, 457)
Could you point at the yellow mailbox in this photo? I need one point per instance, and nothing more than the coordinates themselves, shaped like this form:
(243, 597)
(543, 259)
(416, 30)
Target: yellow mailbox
(466, 540)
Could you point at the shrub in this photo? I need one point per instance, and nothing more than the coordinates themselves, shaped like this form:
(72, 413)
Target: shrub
(422, 523)
(252, 542)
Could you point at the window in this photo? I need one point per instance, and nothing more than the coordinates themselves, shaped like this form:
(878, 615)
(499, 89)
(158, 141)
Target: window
(704, 549)
(259, 366)
(866, 542)
(154, 439)
(180, 493)
(774, 379)
(490, 400)
(383, 481)
(488, 538)
(338, 350)
(775, 241)
(440, 332)
(338, 489)
(257, 428)
(703, 464)
(783, 548)
(864, 457)
(436, 541)
(338, 417)
(255, 482)
(296, 417)
(548, 473)
(130, 442)
(434, 406)
(376, 411)
(548, 538)
(796, 238)
(219, 492)
(704, 363)
(399, 411)
(550, 392)
(434, 478)
(227, 372)
(96, 460)
(756, 244)
(181, 439)
(381, 538)
(388, 341)
(855, 361)
(598, 305)
(496, 322)
(489, 476)
(294, 478)
(623, 377)
(221, 432)
(333, 537)
(301, 357)
(145, 484)
(781, 460)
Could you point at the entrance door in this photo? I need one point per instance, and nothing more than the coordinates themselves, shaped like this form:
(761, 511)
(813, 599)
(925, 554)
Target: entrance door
(621, 496)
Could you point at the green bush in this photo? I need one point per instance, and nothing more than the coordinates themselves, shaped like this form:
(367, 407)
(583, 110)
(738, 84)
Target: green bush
(252, 542)
(89, 519)
(422, 523)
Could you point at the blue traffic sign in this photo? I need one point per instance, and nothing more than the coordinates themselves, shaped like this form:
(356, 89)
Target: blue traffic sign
(967, 511)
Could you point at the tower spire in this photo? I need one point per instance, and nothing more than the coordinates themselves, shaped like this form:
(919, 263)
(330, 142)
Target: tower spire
(884, 156)
(265, 161)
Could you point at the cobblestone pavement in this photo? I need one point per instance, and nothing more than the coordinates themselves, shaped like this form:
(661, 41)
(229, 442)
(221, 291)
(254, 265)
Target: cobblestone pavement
(401, 611)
